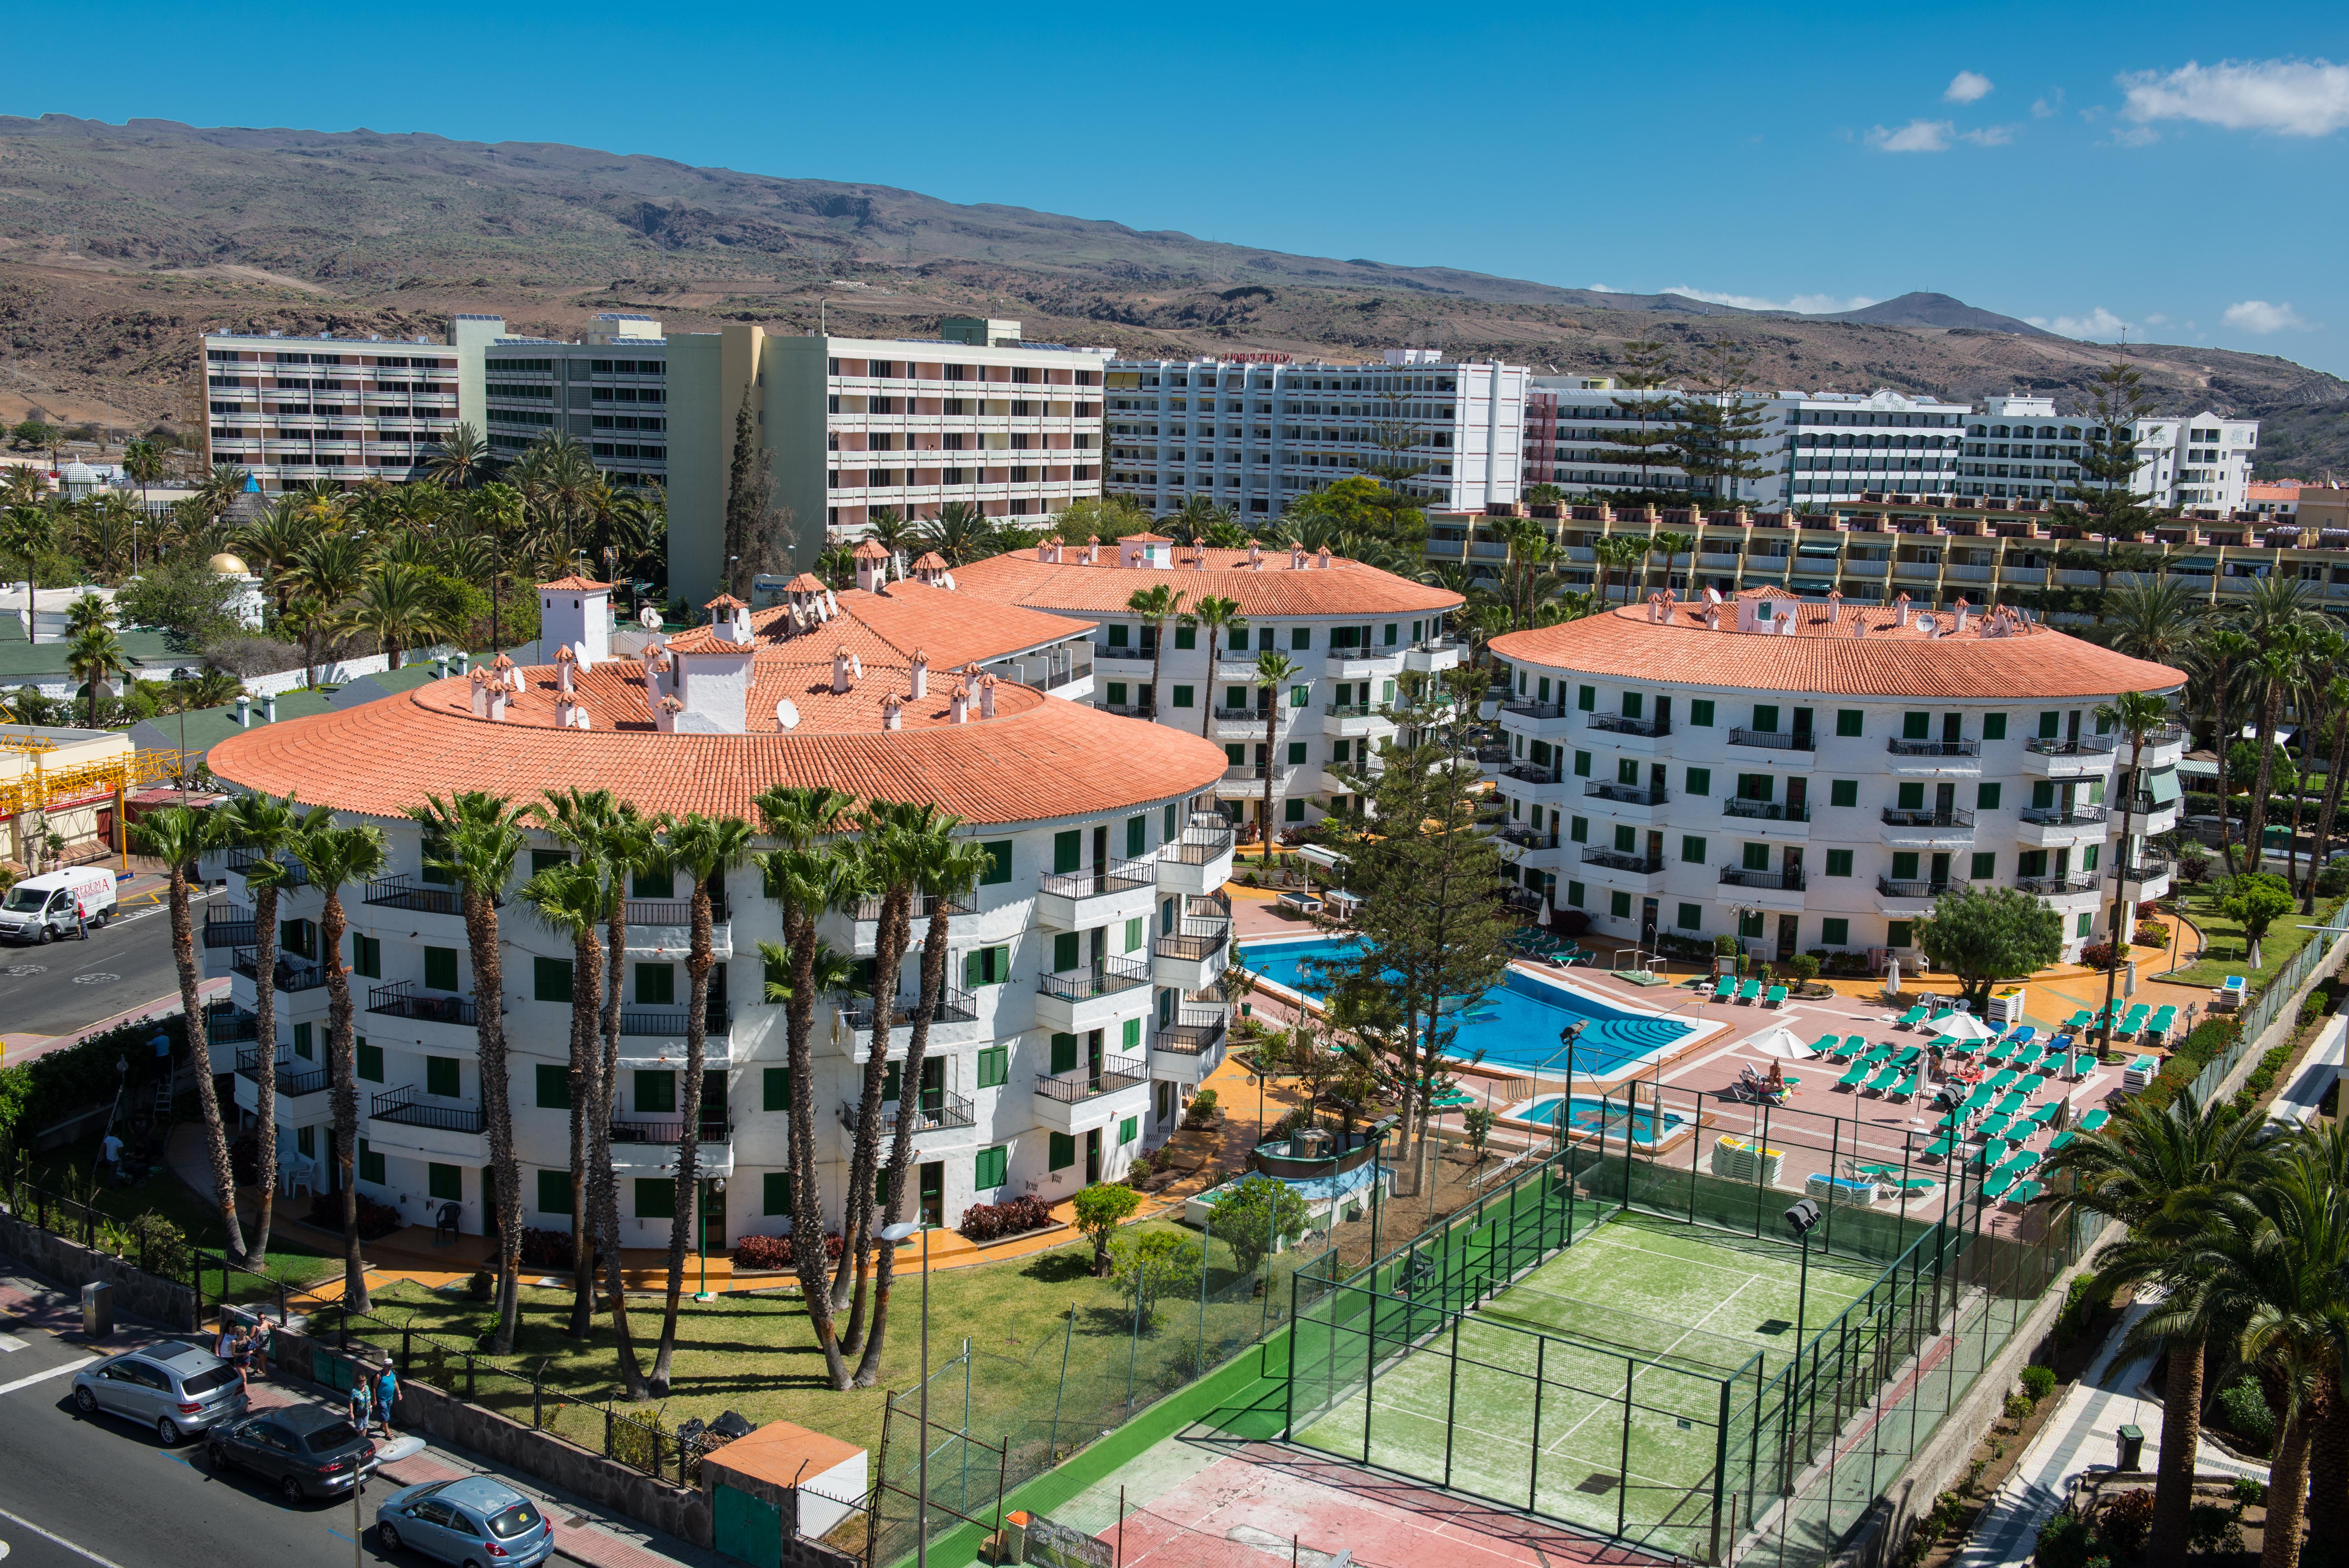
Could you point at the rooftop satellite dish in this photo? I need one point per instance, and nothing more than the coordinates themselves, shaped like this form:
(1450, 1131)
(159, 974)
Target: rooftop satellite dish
(787, 713)
(649, 618)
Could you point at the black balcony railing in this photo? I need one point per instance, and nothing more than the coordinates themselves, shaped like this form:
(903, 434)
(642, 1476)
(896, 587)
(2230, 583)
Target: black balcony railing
(670, 1131)
(2168, 735)
(1765, 810)
(286, 973)
(1198, 941)
(1209, 837)
(405, 999)
(1353, 709)
(2049, 886)
(1525, 709)
(1106, 1076)
(1622, 724)
(1527, 838)
(2146, 870)
(1531, 773)
(225, 1024)
(1188, 1039)
(1777, 739)
(1901, 746)
(226, 925)
(398, 892)
(2086, 745)
(1129, 709)
(295, 1076)
(241, 860)
(1746, 876)
(1106, 977)
(1928, 816)
(1909, 887)
(402, 1106)
(935, 1111)
(1624, 861)
(671, 1022)
(1112, 876)
(1255, 716)
(2063, 817)
(955, 1006)
(1073, 672)
(1629, 794)
(868, 910)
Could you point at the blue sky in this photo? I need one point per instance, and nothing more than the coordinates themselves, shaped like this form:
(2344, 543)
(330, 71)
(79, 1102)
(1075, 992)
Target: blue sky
(2174, 170)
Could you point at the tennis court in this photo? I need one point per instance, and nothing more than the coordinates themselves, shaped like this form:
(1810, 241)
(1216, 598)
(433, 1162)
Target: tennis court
(1609, 1388)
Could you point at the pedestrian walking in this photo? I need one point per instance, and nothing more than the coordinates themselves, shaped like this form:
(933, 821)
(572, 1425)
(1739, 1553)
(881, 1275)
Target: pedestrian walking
(264, 1331)
(361, 1401)
(386, 1390)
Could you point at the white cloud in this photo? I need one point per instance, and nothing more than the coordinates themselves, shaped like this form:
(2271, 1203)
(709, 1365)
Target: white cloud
(2156, 319)
(2098, 322)
(2257, 315)
(1967, 87)
(1989, 136)
(1803, 304)
(1603, 288)
(2291, 97)
(1916, 136)
(2136, 136)
(2045, 108)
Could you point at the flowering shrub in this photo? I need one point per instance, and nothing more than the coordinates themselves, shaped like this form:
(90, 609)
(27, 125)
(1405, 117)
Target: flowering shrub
(775, 1252)
(990, 1221)
(2100, 956)
(546, 1248)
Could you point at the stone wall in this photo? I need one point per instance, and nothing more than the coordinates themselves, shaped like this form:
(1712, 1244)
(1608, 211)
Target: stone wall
(68, 1263)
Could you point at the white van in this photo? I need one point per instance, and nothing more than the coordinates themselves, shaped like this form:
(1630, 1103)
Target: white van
(44, 908)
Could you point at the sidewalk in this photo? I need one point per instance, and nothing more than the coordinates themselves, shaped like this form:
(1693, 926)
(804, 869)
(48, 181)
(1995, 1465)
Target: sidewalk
(2319, 1069)
(2083, 1434)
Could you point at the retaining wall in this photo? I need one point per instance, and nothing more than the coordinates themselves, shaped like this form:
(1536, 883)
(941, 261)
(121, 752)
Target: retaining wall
(69, 1264)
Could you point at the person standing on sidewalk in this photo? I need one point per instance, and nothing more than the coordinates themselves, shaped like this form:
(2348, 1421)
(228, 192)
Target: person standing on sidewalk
(387, 1390)
(359, 1399)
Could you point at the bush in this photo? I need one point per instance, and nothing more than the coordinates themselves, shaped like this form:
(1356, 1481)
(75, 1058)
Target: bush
(2065, 1540)
(2213, 1527)
(2243, 1405)
(1016, 1216)
(2019, 1407)
(547, 1249)
(775, 1252)
(2038, 1381)
(2126, 1523)
(377, 1221)
(2102, 955)
(2334, 879)
(2150, 933)
(1803, 967)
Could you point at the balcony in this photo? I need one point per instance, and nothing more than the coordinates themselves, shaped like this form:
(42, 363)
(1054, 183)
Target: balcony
(406, 999)
(295, 1076)
(865, 918)
(669, 1022)
(1200, 860)
(1188, 1050)
(404, 1107)
(1768, 881)
(1911, 890)
(1950, 817)
(1089, 1096)
(2086, 746)
(2059, 887)
(398, 892)
(954, 1005)
(1624, 861)
(1532, 773)
(1080, 900)
(1627, 794)
(1775, 739)
(1765, 810)
(2064, 816)
(1435, 654)
(1901, 746)
(243, 860)
(668, 1132)
(2147, 879)
(935, 1111)
(226, 925)
(1521, 838)
(1242, 723)
(2085, 758)
(1091, 997)
(1359, 719)
(225, 1024)
(1522, 708)
(1623, 725)
(286, 974)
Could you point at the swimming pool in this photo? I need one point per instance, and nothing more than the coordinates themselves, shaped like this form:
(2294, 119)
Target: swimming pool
(1514, 1024)
(1591, 1114)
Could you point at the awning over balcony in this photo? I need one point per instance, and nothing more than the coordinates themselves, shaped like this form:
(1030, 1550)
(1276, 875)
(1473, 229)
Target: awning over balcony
(2161, 783)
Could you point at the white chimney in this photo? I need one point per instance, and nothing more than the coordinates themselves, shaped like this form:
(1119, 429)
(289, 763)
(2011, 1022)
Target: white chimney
(843, 669)
(1902, 605)
(665, 713)
(730, 619)
(1297, 558)
(1965, 614)
(893, 711)
(1049, 550)
(243, 711)
(565, 663)
(959, 705)
(986, 697)
(872, 567)
(1835, 606)
(1322, 561)
(921, 675)
(1256, 556)
(269, 708)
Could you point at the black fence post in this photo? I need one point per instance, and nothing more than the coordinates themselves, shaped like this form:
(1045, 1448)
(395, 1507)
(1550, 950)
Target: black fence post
(537, 1422)
(281, 1306)
(407, 1348)
(607, 1432)
(469, 1375)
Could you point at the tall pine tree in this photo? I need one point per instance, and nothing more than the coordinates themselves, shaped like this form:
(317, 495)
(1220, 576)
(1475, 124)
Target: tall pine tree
(1644, 366)
(758, 533)
(2105, 500)
(1716, 434)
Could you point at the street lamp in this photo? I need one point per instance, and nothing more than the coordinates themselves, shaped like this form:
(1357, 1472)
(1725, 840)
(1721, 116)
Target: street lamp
(1800, 1219)
(893, 1234)
(716, 1184)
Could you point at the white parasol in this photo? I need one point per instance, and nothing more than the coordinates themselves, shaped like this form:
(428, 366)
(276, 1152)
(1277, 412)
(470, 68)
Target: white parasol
(1963, 1027)
(1892, 978)
(1545, 915)
(1781, 1042)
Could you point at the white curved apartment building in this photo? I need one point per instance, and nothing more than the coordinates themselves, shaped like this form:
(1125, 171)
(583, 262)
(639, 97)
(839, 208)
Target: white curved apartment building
(1812, 774)
(1070, 1035)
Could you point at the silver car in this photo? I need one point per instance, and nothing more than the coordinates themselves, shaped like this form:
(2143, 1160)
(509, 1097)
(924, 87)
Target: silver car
(474, 1523)
(173, 1388)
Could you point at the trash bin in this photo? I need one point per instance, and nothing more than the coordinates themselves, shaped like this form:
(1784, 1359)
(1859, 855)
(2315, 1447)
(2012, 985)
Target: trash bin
(2132, 1440)
(98, 1310)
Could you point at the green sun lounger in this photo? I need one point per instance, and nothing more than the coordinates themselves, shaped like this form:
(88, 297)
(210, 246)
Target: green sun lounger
(1751, 989)
(1979, 1099)
(1907, 1087)
(1994, 1186)
(1907, 1056)
(2082, 1063)
(2081, 1019)
(1824, 1045)
(1854, 1075)
(1776, 995)
(1911, 1018)
(2060, 1139)
(2094, 1120)
(2023, 1193)
(1940, 1148)
(1991, 1127)
(2044, 1115)
(1724, 988)
(2004, 1079)
(2013, 1103)
(1883, 1082)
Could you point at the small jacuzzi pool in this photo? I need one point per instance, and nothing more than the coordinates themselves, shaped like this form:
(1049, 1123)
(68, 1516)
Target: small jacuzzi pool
(1605, 1117)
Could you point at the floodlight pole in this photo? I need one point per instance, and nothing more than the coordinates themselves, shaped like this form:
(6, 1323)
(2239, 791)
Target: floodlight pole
(1803, 1293)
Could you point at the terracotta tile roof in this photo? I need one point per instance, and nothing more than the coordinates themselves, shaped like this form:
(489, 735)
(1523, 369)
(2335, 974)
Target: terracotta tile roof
(575, 583)
(1826, 658)
(955, 628)
(1273, 588)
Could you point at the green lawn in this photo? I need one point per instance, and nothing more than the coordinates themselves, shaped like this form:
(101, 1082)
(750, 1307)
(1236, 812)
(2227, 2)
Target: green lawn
(2224, 939)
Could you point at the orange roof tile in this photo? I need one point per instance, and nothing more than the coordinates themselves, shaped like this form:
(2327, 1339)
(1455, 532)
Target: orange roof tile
(869, 550)
(574, 583)
(1825, 657)
(1271, 589)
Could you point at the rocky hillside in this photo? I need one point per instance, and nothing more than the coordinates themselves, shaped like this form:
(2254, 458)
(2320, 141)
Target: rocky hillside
(118, 242)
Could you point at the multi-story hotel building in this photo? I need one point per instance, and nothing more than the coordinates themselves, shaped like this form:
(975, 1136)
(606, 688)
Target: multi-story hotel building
(304, 410)
(609, 391)
(1350, 630)
(1812, 775)
(2201, 461)
(856, 425)
(1255, 432)
(1074, 1023)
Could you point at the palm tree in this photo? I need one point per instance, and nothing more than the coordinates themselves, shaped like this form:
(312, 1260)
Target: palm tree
(94, 655)
(573, 899)
(143, 462)
(1273, 671)
(2326, 649)
(2154, 618)
(960, 532)
(1612, 551)
(705, 849)
(1155, 607)
(946, 870)
(885, 865)
(473, 839)
(270, 831)
(1214, 616)
(2136, 716)
(622, 842)
(2222, 657)
(2278, 670)
(461, 461)
(1675, 545)
(178, 836)
(334, 857)
(888, 529)
(808, 875)
(2160, 1172)
(2334, 703)
(399, 607)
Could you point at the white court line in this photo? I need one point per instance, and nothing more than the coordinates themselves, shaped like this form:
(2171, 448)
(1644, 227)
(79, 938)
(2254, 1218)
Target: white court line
(58, 1539)
(44, 1377)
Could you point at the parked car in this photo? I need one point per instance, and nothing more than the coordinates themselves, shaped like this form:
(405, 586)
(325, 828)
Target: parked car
(307, 1451)
(475, 1521)
(173, 1387)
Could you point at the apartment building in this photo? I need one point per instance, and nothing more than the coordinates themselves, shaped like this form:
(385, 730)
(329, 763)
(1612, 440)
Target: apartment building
(609, 391)
(854, 426)
(1840, 446)
(1811, 775)
(1078, 1016)
(1254, 433)
(2200, 460)
(1349, 630)
(304, 410)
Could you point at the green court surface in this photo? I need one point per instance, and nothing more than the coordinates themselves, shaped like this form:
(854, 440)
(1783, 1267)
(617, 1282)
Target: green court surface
(1595, 1389)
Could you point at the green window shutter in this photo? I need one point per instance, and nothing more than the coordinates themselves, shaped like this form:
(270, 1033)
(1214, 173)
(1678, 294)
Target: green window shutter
(775, 1089)
(1765, 718)
(370, 1065)
(1186, 636)
(302, 1047)
(555, 1191)
(1133, 1034)
(998, 862)
(1904, 866)
(2089, 855)
(550, 979)
(1293, 810)
(1129, 1130)
(1068, 851)
(1580, 829)
(1118, 636)
(1237, 637)
(1757, 857)
(994, 1067)
(1691, 851)
(370, 1164)
(1586, 698)
(1631, 704)
(2031, 863)
(1573, 895)
(1582, 765)
(776, 1193)
(1116, 693)
(440, 969)
(1133, 929)
(542, 859)
(1186, 697)
(892, 1078)
(655, 984)
(1627, 770)
(1691, 916)
(655, 1091)
(1626, 841)
(1064, 1053)
(1619, 905)
(1896, 933)
(2051, 724)
(651, 883)
(2082, 929)
(1986, 796)
(1300, 638)
(1911, 798)
(1838, 862)
(1068, 951)
(1701, 713)
(1843, 792)
(655, 1198)
(1063, 1152)
(992, 1169)
(1699, 782)
(1916, 727)
(1835, 933)
(1985, 865)
(1295, 752)
(1137, 836)
(1235, 754)
(445, 1183)
(1849, 721)
(442, 1076)
(367, 957)
(1994, 727)
(554, 1087)
(1300, 696)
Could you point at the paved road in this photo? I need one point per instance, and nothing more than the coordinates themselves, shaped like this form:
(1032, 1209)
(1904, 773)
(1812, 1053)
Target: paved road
(116, 1497)
(59, 987)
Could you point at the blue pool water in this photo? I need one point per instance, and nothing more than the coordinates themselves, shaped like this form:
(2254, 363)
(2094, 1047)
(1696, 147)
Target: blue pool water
(1516, 1025)
(1591, 1114)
